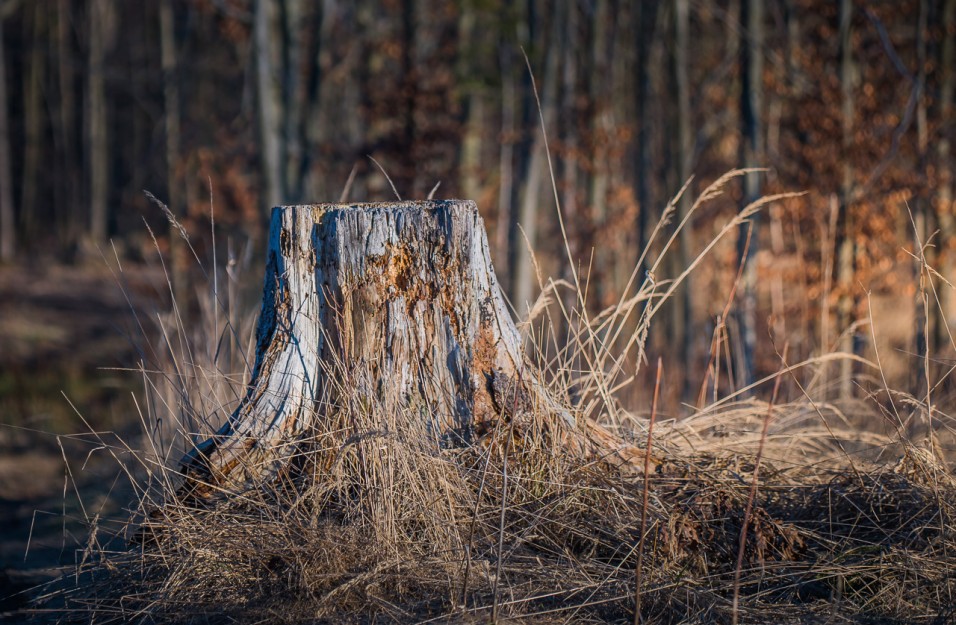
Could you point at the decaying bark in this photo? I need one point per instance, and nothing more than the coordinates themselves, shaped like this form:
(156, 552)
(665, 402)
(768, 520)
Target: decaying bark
(406, 289)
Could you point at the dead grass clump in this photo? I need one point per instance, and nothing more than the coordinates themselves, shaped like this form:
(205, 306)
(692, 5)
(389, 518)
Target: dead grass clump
(381, 529)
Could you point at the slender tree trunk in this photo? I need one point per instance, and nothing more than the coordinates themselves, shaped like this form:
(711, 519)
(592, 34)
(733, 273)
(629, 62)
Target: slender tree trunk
(266, 35)
(525, 228)
(410, 312)
(783, 74)
(944, 201)
(358, 87)
(794, 42)
(408, 182)
(921, 216)
(506, 157)
(305, 185)
(846, 249)
(339, 97)
(601, 92)
(473, 105)
(293, 99)
(532, 192)
(569, 113)
(101, 25)
(69, 154)
(167, 36)
(646, 13)
(570, 256)
(682, 330)
(30, 213)
(751, 100)
(7, 212)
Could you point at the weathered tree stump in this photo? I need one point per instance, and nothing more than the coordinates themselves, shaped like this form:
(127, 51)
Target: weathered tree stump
(406, 289)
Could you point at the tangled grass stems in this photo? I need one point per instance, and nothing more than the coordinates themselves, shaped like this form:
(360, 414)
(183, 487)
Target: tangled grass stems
(341, 543)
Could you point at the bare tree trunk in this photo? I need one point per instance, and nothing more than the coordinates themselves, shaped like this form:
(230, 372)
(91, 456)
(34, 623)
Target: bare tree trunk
(569, 162)
(601, 90)
(532, 193)
(525, 230)
(682, 331)
(311, 101)
(408, 176)
(293, 100)
(70, 183)
(33, 128)
(265, 36)
(922, 315)
(506, 156)
(944, 202)
(846, 249)
(167, 36)
(401, 301)
(7, 212)
(101, 23)
(472, 103)
(338, 96)
(646, 14)
(751, 99)
(570, 255)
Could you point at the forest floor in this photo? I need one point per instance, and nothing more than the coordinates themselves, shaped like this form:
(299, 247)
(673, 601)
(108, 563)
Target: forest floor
(63, 332)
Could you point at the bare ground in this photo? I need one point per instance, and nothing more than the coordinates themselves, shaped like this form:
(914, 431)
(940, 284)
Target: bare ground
(63, 331)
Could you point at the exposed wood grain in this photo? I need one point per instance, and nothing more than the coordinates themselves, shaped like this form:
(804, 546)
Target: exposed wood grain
(406, 289)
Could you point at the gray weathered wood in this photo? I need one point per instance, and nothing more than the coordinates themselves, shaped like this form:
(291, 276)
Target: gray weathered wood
(406, 289)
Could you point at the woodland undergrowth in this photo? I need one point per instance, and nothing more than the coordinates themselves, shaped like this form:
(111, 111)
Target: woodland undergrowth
(773, 503)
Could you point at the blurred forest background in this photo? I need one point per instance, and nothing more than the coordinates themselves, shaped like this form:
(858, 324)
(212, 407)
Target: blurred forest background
(225, 108)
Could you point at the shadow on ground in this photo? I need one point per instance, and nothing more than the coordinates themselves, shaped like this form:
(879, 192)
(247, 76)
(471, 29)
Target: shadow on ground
(64, 333)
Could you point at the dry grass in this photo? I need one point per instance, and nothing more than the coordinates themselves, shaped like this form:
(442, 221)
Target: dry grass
(383, 528)
(374, 521)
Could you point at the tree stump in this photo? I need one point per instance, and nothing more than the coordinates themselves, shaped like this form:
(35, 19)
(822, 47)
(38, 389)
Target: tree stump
(406, 289)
